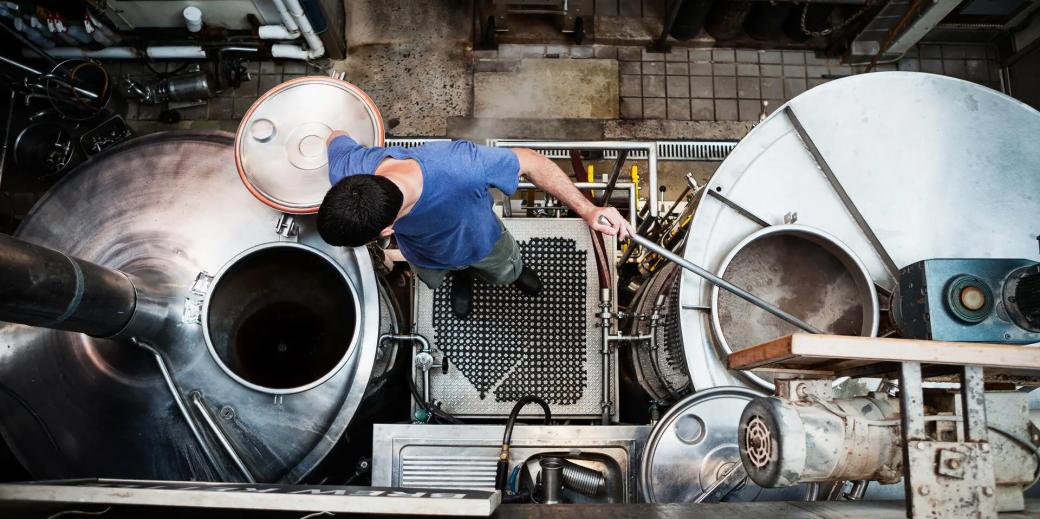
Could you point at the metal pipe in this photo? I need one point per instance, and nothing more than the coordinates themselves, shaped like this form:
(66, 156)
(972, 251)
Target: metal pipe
(29, 45)
(200, 404)
(723, 284)
(649, 147)
(631, 188)
(643, 227)
(552, 480)
(583, 480)
(606, 317)
(7, 134)
(175, 393)
(47, 288)
(424, 347)
(31, 70)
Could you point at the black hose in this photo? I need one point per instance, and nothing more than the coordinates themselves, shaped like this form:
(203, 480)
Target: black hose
(502, 470)
(508, 436)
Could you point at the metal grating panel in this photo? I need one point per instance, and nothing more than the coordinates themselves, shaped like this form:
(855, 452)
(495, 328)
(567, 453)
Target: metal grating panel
(410, 143)
(710, 151)
(512, 345)
(474, 472)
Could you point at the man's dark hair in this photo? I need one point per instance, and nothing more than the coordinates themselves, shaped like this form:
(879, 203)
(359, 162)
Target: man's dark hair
(357, 208)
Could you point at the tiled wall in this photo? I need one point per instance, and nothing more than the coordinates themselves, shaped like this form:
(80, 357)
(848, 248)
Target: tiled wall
(719, 84)
(737, 84)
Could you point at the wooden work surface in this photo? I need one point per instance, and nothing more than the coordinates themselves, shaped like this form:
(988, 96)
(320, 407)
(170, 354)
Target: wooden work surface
(839, 355)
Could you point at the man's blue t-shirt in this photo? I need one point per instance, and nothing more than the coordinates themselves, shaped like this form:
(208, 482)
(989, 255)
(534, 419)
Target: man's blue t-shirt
(451, 225)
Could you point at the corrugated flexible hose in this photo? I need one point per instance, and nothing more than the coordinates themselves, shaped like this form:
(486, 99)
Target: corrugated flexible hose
(583, 480)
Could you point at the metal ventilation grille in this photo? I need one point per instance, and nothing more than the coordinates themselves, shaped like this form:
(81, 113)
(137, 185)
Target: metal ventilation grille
(710, 151)
(470, 472)
(410, 143)
(513, 345)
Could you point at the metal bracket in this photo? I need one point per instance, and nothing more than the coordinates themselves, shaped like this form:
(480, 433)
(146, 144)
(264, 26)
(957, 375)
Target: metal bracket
(192, 313)
(286, 228)
(946, 479)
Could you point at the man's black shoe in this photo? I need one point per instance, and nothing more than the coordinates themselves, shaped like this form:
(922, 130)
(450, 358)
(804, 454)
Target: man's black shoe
(528, 282)
(462, 293)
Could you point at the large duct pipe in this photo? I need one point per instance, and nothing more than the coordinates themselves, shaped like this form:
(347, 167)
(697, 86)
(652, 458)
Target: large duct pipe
(47, 288)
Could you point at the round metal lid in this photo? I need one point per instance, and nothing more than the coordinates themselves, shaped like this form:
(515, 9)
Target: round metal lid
(280, 147)
(938, 168)
(694, 444)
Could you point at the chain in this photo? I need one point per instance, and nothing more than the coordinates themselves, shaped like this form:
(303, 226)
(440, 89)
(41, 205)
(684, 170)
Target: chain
(816, 34)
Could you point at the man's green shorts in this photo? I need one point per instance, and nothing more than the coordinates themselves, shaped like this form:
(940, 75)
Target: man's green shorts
(500, 267)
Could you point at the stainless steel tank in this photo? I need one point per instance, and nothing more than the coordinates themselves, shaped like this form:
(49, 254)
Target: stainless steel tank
(878, 171)
(264, 344)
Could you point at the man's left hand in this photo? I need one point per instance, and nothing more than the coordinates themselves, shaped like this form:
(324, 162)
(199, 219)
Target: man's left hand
(619, 226)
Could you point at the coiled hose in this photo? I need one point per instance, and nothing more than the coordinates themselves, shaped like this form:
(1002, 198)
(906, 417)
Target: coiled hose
(583, 479)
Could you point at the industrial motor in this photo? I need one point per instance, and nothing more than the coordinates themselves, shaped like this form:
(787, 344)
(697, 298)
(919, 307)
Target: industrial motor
(804, 435)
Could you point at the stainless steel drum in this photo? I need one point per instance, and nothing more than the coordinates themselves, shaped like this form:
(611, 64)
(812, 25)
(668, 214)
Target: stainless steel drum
(269, 336)
(934, 167)
(694, 445)
(803, 270)
(280, 147)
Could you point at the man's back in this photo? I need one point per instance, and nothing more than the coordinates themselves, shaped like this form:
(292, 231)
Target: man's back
(451, 224)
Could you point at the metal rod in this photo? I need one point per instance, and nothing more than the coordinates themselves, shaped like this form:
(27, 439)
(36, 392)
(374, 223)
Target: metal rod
(30, 45)
(604, 198)
(214, 427)
(605, 321)
(7, 136)
(31, 70)
(725, 285)
(850, 206)
(736, 207)
(647, 222)
(175, 393)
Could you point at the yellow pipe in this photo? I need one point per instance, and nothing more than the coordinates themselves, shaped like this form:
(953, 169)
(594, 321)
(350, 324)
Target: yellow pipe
(635, 181)
(591, 175)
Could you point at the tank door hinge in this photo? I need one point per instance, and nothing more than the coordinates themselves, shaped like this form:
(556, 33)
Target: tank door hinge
(193, 303)
(286, 228)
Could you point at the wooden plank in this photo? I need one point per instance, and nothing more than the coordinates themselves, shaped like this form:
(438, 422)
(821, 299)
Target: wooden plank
(786, 370)
(772, 352)
(829, 347)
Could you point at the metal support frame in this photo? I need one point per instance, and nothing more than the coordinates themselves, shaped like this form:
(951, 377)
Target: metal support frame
(631, 188)
(946, 478)
(850, 206)
(649, 147)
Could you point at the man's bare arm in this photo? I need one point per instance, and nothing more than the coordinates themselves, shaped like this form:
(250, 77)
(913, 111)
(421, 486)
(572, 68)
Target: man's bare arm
(333, 135)
(543, 173)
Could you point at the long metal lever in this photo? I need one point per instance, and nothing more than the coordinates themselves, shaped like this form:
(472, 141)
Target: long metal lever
(719, 282)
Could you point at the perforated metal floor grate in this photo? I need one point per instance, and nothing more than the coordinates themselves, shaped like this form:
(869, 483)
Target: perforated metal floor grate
(513, 345)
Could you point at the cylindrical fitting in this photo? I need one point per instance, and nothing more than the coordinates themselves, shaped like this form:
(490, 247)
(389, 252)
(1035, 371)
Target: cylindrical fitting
(552, 480)
(44, 287)
(784, 443)
(192, 18)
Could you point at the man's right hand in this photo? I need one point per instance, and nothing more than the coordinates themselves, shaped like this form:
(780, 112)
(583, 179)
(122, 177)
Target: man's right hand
(608, 220)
